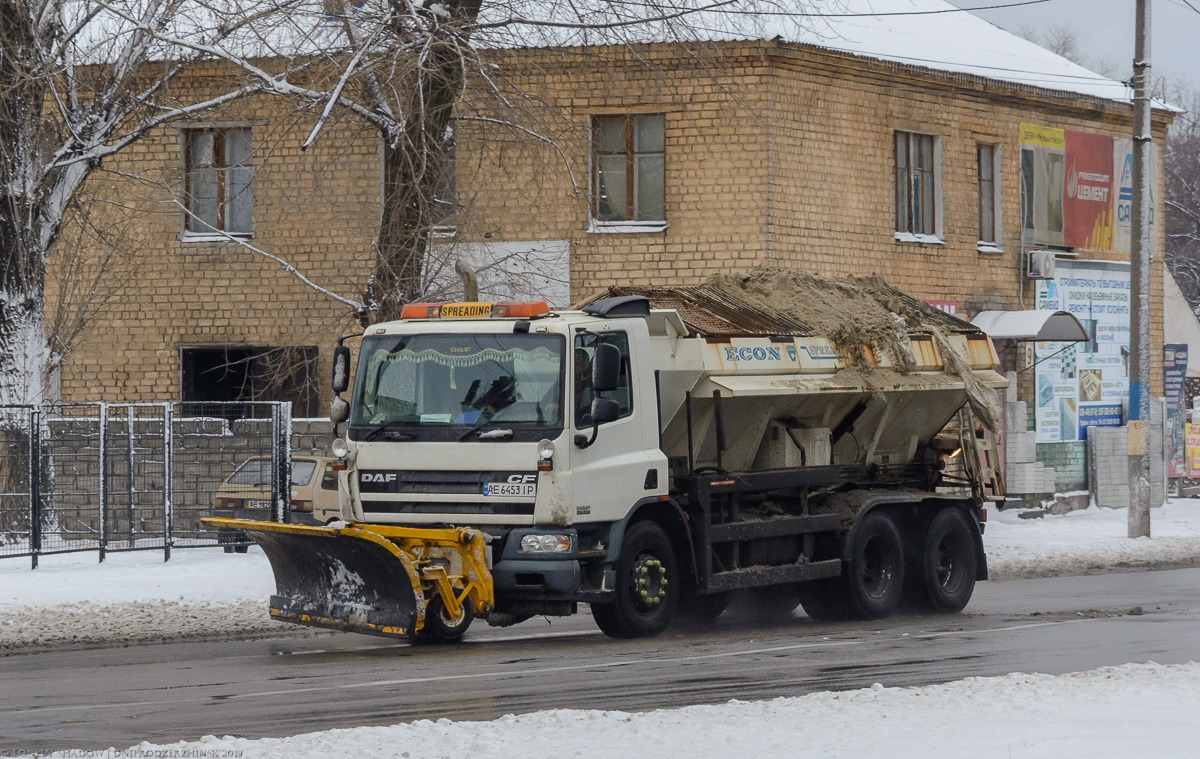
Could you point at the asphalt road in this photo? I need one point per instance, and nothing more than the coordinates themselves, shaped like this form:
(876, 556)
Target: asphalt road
(101, 697)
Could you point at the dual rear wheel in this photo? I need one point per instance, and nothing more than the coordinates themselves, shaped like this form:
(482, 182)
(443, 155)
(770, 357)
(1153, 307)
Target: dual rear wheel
(947, 561)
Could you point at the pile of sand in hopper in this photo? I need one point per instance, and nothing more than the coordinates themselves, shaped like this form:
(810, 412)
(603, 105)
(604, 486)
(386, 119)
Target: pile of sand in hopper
(853, 311)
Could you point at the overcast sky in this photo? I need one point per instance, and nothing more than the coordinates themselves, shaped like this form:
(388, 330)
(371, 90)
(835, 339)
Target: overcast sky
(1105, 30)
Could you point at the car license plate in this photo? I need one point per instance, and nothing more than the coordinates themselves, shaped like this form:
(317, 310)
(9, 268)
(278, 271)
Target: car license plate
(509, 489)
(258, 504)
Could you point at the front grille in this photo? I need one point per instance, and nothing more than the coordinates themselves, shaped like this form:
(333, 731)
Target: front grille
(431, 481)
(434, 507)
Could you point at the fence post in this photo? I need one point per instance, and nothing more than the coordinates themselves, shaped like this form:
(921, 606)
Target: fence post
(129, 409)
(281, 457)
(35, 483)
(168, 478)
(103, 489)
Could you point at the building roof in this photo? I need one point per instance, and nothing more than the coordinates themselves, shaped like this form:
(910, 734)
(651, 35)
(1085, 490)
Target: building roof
(930, 34)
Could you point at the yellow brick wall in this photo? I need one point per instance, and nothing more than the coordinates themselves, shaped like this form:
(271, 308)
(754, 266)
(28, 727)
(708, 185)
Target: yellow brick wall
(774, 153)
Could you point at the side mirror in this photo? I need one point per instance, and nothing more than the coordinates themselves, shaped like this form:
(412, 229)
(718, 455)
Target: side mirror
(341, 369)
(606, 369)
(605, 410)
(339, 410)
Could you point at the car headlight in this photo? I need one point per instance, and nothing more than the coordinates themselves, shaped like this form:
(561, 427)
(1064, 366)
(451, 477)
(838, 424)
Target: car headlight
(545, 544)
(545, 449)
(339, 448)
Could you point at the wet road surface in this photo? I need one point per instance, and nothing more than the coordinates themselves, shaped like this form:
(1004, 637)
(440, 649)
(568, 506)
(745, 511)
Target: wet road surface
(101, 697)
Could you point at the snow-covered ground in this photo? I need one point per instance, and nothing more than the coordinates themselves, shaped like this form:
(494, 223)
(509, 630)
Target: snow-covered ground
(1130, 710)
(1134, 710)
(136, 596)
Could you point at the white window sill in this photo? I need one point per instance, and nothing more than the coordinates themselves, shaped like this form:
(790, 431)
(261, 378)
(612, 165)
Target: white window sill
(625, 227)
(444, 232)
(201, 237)
(923, 239)
(987, 247)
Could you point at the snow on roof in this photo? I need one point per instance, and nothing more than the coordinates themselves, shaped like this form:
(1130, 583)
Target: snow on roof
(931, 34)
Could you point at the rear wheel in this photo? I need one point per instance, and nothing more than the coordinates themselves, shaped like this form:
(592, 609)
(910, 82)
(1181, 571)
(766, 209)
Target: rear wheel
(647, 586)
(949, 562)
(824, 600)
(874, 576)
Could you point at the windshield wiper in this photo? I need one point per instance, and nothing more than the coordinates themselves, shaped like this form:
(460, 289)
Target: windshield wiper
(386, 426)
(490, 434)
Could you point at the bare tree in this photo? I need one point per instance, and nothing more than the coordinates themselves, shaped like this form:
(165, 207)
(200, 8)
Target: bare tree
(1182, 202)
(80, 80)
(404, 68)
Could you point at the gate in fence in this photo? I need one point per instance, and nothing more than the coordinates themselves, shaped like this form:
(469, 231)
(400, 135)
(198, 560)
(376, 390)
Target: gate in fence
(137, 476)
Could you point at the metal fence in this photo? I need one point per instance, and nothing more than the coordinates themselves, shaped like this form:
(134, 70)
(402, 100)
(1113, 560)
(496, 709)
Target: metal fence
(137, 476)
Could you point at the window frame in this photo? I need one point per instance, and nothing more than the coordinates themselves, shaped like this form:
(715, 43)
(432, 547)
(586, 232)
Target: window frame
(219, 133)
(902, 183)
(619, 338)
(628, 224)
(995, 244)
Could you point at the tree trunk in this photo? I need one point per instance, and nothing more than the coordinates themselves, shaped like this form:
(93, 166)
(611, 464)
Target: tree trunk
(413, 163)
(22, 257)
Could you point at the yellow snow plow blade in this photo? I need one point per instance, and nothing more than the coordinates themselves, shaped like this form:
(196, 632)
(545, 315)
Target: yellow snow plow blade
(373, 579)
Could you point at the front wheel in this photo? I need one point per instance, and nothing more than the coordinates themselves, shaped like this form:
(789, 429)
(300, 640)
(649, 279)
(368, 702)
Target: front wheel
(440, 625)
(949, 562)
(647, 587)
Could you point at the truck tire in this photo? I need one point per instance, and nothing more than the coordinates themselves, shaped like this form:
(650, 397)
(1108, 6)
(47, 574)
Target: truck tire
(874, 578)
(439, 626)
(949, 562)
(647, 586)
(824, 600)
(701, 610)
(775, 602)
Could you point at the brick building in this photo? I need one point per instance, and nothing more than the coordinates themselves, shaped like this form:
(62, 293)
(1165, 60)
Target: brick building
(849, 152)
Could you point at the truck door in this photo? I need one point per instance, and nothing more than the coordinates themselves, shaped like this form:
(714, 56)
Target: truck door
(609, 476)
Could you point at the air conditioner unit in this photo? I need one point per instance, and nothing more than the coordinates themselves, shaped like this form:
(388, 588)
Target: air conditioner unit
(1041, 264)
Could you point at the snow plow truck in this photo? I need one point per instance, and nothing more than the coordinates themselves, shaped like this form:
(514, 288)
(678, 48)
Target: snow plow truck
(647, 453)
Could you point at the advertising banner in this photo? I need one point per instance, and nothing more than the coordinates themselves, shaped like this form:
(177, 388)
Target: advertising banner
(1081, 385)
(1077, 188)
(1192, 451)
(1175, 358)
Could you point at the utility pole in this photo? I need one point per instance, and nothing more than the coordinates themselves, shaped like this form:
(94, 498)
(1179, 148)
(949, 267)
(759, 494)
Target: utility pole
(1139, 287)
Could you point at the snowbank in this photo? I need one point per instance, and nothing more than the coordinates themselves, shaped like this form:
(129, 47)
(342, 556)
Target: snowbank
(1130, 710)
(204, 592)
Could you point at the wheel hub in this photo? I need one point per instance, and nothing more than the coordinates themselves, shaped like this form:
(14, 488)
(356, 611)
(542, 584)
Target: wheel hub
(649, 582)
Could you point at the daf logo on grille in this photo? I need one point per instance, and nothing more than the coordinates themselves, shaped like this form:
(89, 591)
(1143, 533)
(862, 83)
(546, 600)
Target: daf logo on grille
(518, 479)
(379, 477)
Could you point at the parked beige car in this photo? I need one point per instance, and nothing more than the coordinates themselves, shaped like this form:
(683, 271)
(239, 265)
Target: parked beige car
(246, 494)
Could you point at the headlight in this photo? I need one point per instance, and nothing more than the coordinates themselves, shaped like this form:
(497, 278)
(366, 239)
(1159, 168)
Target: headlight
(339, 448)
(545, 449)
(546, 544)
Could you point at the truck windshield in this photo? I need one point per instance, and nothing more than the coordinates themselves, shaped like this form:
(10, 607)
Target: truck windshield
(440, 386)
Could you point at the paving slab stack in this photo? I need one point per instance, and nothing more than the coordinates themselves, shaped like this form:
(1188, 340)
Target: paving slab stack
(1024, 474)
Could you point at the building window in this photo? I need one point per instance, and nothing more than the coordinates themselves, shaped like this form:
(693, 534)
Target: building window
(628, 169)
(219, 172)
(221, 381)
(918, 187)
(988, 162)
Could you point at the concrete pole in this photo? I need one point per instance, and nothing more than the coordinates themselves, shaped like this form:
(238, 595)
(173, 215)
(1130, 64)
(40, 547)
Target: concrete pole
(1139, 311)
